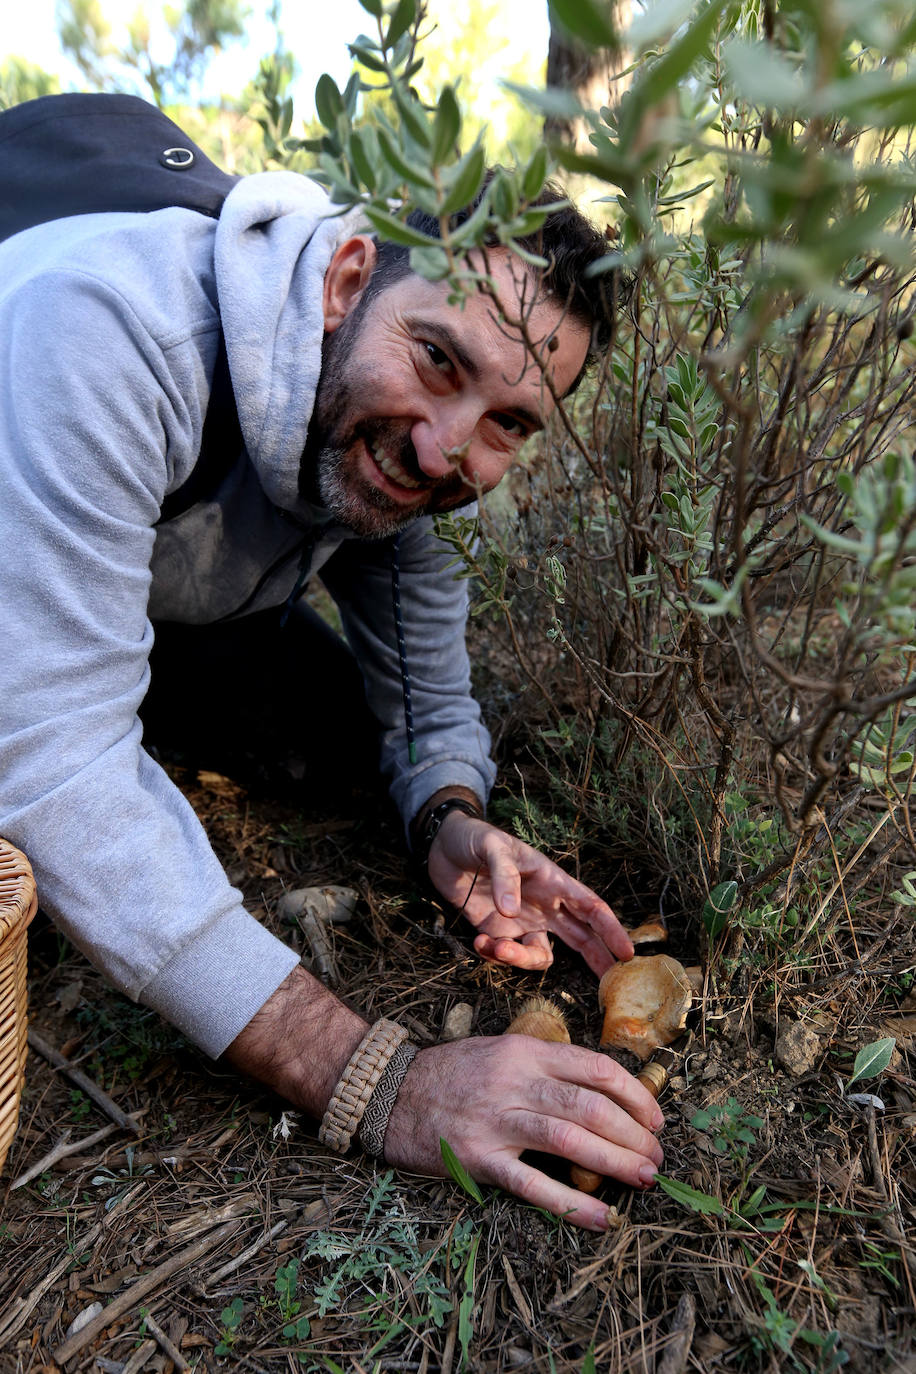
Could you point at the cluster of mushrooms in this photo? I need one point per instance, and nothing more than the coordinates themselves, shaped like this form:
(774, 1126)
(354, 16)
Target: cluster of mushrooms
(645, 1002)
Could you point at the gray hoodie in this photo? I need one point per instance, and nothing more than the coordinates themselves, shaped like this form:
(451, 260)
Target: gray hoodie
(109, 326)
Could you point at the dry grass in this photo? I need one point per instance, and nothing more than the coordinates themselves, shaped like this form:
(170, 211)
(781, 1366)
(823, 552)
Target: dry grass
(665, 1290)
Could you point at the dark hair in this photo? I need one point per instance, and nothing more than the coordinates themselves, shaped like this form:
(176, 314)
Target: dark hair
(568, 242)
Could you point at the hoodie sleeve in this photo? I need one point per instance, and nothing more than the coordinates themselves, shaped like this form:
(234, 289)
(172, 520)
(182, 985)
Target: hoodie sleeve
(452, 744)
(96, 425)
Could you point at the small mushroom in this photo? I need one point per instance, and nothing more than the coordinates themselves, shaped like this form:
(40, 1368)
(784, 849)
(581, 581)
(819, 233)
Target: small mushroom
(541, 1019)
(651, 932)
(645, 1003)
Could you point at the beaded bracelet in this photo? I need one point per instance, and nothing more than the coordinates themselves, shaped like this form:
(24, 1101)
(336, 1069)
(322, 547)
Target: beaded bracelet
(358, 1082)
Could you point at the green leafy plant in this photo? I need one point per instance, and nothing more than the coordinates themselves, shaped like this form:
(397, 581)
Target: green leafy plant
(359, 1268)
(230, 1321)
(286, 1281)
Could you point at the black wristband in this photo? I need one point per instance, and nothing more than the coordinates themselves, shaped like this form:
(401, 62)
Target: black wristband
(432, 823)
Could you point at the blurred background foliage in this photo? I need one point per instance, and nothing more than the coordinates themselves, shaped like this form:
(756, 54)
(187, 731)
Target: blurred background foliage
(696, 639)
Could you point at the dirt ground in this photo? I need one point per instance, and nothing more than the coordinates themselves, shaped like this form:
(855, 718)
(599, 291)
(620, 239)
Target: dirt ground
(224, 1236)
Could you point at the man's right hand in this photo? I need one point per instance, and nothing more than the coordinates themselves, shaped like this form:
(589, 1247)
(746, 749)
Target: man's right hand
(493, 1098)
(490, 1097)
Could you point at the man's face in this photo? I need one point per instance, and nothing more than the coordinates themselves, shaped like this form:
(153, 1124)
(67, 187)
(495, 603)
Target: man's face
(422, 405)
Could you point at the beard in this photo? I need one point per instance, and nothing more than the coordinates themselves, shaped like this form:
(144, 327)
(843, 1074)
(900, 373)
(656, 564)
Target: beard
(330, 474)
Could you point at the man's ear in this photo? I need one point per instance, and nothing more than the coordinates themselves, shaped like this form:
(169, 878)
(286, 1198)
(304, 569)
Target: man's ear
(346, 279)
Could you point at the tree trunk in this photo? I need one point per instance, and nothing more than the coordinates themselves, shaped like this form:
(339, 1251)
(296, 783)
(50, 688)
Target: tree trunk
(594, 77)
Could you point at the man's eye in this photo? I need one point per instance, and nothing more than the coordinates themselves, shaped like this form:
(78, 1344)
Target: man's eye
(509, 424)
(438, 359)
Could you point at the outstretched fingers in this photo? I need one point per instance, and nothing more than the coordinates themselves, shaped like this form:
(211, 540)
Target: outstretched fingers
(529, 1184)
(584, 906)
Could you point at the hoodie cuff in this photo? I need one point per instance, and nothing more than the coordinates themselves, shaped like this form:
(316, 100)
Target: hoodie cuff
(424, 782)
(212, 989)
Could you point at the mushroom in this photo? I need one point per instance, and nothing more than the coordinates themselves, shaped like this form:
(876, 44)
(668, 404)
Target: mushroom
(651, 932)
(645, 1003)
(541, 1019)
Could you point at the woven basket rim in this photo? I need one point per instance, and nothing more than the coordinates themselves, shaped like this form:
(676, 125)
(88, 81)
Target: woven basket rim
(18, 904)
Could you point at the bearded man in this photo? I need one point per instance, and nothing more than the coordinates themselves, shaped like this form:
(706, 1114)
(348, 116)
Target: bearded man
(367, 405)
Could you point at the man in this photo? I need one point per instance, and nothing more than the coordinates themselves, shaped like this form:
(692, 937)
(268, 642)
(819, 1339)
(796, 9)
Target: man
(367, 403)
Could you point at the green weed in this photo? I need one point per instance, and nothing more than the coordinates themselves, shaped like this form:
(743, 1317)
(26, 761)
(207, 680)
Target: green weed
(230, 1321)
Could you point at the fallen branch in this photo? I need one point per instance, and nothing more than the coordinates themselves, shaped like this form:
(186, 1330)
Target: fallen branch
(141, 1356)
(64, 1147)
(249, 1253)
(137, 1291)
(84, 1082)
(167, 1344)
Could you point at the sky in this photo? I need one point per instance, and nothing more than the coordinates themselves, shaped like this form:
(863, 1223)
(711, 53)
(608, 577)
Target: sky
(519, 29)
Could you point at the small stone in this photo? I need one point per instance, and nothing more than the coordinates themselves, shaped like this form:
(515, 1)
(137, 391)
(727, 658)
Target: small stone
(797, 1048)
(83, 1318)
(458, 1021)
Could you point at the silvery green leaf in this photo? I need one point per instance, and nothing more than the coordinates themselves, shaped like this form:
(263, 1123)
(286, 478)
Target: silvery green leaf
(657, 24)
(763, 76)
(587, 20)
(431, 263)
(872, 1060)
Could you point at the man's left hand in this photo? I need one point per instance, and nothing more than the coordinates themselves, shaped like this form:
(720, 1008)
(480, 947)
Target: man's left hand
(516, 898)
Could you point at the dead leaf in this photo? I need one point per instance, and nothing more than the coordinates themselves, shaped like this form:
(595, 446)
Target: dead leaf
(69, 996)
(902, 1028)
(219, 785)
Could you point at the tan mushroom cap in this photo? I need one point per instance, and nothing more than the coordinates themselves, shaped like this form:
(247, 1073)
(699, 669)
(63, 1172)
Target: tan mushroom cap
(651, 932)
(645, 1003)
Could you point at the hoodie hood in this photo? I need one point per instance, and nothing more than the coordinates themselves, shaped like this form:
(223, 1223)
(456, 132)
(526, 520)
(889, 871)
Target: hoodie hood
(275, 237)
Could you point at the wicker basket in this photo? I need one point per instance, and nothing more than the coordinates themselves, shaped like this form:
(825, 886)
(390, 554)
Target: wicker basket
(18, 904)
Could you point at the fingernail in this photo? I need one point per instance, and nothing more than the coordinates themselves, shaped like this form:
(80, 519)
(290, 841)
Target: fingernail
(647, 1174)
(658, 1120)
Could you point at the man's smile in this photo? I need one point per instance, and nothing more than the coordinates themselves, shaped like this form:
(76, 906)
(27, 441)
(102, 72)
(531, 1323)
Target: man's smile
(392, 469)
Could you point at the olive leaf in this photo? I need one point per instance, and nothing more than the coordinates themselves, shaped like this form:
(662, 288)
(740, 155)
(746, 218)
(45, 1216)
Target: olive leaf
(872, 1060)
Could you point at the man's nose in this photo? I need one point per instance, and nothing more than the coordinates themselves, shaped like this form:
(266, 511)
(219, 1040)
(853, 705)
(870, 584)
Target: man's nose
(442, 444)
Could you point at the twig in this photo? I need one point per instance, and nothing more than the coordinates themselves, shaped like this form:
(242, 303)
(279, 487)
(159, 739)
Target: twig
(169, 1156)
(140, 1357)
(137, 1291)
(88, 1086)
(890, 1223)
(65, 1146)
(169, 1346)
(207, 1217)
(219, 1274)
(448, 1352)
(674, 1360)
